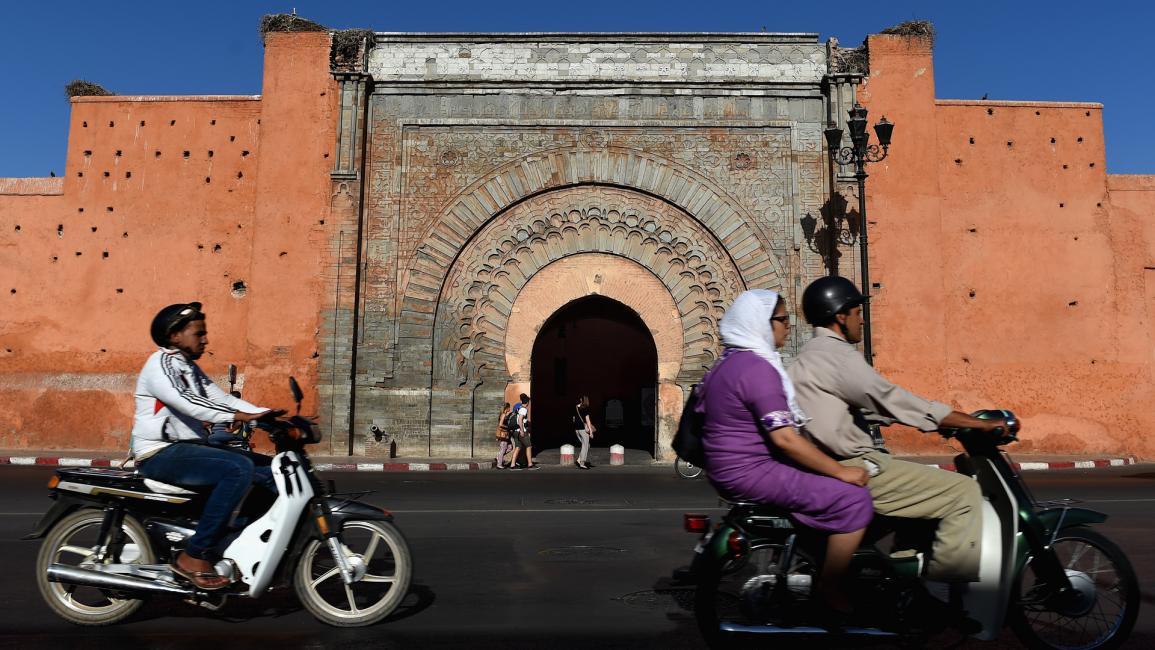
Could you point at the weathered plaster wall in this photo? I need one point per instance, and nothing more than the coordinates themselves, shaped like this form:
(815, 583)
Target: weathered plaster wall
(1009, 276)
(165, 199)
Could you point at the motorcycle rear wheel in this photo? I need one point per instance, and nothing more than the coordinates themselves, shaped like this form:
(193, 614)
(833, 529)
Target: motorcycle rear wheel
(381, 550)
(74, 541)
(1099, 567)
(746, 592)
(686, 469)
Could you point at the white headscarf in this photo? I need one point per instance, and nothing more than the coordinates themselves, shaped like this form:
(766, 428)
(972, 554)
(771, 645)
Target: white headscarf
(746, 326)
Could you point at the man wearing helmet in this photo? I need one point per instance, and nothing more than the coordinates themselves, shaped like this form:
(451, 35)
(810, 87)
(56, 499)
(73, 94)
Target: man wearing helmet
(844, 396)
(174, 400)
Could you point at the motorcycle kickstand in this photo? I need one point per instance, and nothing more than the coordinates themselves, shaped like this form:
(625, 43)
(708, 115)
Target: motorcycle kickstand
(207, 602)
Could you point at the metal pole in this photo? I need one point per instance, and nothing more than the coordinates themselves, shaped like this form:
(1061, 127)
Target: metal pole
(861, 176)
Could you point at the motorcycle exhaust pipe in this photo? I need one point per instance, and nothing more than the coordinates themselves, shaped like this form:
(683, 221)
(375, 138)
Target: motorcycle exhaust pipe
(737, 628)
(71, 575)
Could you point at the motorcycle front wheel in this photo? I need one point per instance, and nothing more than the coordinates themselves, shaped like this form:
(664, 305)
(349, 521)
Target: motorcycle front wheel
(1102, 615)
(75, 541)
(686, 469)
(382, 568)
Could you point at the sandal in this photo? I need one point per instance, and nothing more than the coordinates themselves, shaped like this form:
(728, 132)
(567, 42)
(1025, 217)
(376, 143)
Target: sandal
(205, 580)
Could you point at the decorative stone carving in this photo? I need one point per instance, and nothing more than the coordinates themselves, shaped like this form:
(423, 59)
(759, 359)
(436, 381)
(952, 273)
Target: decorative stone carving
(482, 286)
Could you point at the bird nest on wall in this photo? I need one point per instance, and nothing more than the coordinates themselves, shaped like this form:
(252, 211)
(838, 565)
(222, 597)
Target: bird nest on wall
(347, 46)
(287, 23)
(923, 29)
(82, 88)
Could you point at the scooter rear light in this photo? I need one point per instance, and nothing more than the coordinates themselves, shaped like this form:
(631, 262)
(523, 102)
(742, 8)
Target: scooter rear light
(695, 523)
(53, 482)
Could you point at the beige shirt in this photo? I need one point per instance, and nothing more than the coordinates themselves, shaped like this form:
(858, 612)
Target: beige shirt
(843, 396)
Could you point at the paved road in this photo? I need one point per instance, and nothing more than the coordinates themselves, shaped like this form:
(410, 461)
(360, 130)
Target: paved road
(552, 558)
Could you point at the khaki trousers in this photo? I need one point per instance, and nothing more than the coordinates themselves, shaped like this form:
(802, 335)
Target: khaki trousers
(915, 491)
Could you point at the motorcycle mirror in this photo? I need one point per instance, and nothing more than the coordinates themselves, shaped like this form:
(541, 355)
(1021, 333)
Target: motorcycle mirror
(297, 394)
(232, 375)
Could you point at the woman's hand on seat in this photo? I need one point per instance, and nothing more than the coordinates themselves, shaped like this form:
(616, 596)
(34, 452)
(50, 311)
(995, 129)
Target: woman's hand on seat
(854, 476)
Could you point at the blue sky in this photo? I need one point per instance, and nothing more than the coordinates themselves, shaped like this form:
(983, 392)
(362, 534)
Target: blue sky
(1014, 50)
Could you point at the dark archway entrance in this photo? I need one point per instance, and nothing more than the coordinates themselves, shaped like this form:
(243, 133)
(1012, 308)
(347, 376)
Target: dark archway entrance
(601, 348)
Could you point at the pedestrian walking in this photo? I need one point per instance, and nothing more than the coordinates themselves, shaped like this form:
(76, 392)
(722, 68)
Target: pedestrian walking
(583, 429)
(521, 437)
(505, 445)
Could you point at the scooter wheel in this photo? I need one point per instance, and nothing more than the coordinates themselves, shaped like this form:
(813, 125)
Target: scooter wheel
(382, 568)
(1102, 612)
(75, 541)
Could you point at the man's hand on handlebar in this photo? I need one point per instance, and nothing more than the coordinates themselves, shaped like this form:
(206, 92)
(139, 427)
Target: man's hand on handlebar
(263, 416)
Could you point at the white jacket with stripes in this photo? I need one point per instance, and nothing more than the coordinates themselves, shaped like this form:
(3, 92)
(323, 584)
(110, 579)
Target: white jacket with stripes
(174, 398)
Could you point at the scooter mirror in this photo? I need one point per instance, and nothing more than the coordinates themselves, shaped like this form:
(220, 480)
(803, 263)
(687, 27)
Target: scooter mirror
(296, 388)
(232, 375)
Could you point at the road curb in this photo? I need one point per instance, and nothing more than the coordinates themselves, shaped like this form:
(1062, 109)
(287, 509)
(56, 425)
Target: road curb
(66, 461)
(1034, 466)
(70, 461)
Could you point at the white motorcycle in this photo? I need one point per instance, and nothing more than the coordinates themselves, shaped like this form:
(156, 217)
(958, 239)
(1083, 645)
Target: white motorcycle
(111, 535)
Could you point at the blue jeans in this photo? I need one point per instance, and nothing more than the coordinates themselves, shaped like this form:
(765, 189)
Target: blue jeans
(229, 472)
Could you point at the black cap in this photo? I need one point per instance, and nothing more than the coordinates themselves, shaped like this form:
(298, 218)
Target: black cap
(828, 296)
(172, 318)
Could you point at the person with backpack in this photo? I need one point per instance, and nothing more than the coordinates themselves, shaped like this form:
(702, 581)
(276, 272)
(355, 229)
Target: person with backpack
(506, 445)
(520, 433)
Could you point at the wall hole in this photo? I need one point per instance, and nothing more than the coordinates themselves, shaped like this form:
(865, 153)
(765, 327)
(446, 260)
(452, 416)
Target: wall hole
(87, 152)
(240, 174)
(322, 222)
(958, 161)
(258, 120)
(17, 227)
(118, 153)
(103, 350)
(1091, 165)
(84, 124)
(972, 229)
(972, 140)
(78, 253)
(54, 258)
(200, 247)
(971, 293)
(1062, 205)
(120, 290)
(244, 153)
(80, 209)
(990, 111)
(104, 254)
(232, 138)
(124, 235)
(80, 174)
(108, 209)
(128, 174)
(13, 291)
(107, 174)
(283, 253)
(1079, 139)
(216, 248)
(239, 288)
(1088, 113)
(1076, 238)
(60, 230)
(212, 122)
(1073, 303)
(94, 229)
(156, 154)
(208, 179)
(142, 122)
(111, 124)
(1098, 205)
(1052, 141)
(210, 153)
(1010, 143)
(186, 153)
(1064, 167)
(172, 123)
(1037, 113)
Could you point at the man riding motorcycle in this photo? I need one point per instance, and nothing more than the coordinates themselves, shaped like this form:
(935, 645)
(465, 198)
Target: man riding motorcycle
(844, 396)
(174, 400)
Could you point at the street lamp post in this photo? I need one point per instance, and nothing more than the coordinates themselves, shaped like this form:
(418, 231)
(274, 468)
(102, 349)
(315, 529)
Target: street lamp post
(860, 152)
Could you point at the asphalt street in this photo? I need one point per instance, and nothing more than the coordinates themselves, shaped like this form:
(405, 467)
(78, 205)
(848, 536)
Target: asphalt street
(554, 558)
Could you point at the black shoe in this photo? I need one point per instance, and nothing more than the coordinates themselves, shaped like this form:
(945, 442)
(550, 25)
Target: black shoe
(583, 466)
(515, 467)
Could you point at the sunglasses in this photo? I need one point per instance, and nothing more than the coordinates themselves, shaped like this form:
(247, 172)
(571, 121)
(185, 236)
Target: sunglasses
(785, 320)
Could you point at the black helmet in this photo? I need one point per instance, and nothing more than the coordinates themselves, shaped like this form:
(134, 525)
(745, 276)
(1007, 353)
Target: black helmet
(172, 318)
(828, 296)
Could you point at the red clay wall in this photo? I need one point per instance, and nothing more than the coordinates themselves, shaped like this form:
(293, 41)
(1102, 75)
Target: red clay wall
(1009, 276)
(159, 205)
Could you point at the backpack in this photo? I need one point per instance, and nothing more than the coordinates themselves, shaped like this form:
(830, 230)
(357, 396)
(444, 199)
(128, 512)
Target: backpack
(688, 439)
(511, 420)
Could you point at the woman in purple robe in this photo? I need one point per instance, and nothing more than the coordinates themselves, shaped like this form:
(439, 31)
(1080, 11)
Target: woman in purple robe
(754, 451)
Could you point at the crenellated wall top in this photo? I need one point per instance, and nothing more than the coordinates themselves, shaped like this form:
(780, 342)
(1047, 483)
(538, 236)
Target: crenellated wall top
(599, 58)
